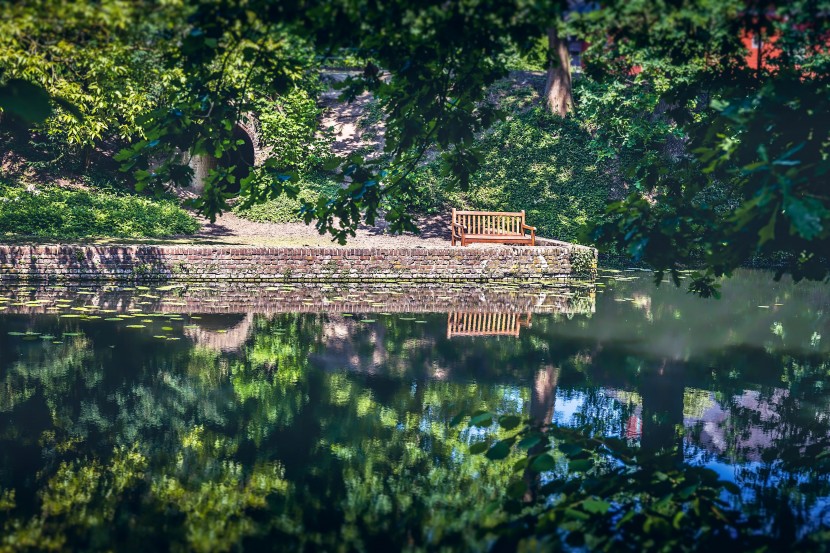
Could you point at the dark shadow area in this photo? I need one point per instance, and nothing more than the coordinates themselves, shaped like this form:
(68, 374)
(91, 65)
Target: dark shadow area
(430, 226)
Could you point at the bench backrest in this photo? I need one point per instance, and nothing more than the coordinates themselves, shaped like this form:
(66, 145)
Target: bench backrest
(485, 324)
(490, 222)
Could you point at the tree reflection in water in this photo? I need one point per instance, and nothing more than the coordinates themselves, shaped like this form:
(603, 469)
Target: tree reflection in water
(325, 432)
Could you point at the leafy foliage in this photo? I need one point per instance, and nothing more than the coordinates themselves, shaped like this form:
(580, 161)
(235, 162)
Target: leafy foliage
(749, 174)
(54, 212)
(536, 162)
(574, 488)
(85, 55)
(285, 209)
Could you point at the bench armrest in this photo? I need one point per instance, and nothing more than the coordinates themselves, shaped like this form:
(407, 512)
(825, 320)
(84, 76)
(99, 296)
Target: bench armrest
(459, 226)
(528, 227)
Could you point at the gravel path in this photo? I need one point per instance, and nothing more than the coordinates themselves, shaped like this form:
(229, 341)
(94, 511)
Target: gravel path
(232, 229)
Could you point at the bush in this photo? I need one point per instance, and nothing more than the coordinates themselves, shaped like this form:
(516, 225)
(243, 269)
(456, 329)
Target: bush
(284, 209)
(54, 212)
(536, 162)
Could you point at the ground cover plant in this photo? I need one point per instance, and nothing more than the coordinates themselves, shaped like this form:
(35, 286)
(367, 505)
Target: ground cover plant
(533, 161)
(58, 213)
(285, 209)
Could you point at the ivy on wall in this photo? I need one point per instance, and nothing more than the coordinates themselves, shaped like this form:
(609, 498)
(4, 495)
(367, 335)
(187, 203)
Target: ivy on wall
(534, 162)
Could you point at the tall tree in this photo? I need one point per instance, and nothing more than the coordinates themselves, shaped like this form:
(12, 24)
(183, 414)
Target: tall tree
(558, 89)
(733, 163)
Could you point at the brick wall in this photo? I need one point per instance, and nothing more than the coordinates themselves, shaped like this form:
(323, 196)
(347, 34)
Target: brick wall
(242, 263)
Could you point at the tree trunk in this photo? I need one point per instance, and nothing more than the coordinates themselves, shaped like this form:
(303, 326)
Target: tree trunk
(662, 389)
(760, 54)
(542, 403)
(202, 166)
(558, 95)
(86, 157)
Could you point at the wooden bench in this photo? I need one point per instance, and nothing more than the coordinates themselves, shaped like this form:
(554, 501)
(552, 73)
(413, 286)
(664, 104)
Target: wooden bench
(491, 227)
(485, 324)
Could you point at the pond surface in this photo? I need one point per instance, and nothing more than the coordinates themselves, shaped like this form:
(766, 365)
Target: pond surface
(305, 418)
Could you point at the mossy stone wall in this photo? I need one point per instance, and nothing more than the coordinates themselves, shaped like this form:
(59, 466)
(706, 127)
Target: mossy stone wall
(207, 263)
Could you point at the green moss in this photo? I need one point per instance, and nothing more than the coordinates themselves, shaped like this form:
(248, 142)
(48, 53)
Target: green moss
(583, 262)
(54, 212)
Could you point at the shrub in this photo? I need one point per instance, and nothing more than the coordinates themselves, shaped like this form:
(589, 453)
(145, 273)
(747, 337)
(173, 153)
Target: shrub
(54, 212)
(284, 209)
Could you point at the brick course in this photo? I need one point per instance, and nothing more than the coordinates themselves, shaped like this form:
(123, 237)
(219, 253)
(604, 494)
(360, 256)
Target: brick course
(252, 264)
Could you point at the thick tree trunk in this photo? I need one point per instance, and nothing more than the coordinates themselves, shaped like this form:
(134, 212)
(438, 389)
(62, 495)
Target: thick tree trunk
(202, 166)
(662, 389)
(558, 95)
(542, 403)
(86, 157)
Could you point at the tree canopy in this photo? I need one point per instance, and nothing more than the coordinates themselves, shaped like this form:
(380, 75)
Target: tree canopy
(721, 148)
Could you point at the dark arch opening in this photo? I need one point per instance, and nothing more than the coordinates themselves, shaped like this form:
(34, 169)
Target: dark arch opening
(242, 159)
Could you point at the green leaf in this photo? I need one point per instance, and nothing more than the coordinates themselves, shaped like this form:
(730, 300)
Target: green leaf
(687, 491)
(626, 518)
(805, 216)
(580, 465)
(516, 489)
(529, 441)
(731, 487)
(542, 463)
(596, 506)
(570, 449)
(575, 514)
(25, 100)
(481, 419)
(767, 232)
(509, 422)
(500, 450)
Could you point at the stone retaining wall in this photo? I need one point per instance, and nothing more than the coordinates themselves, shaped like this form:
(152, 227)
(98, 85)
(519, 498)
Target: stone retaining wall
(230, 297)
(243, 263)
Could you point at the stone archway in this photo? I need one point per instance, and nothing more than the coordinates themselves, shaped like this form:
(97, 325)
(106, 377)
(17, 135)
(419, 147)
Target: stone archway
(249, 154)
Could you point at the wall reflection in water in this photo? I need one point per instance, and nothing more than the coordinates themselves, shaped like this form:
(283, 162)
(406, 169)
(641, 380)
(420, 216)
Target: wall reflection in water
(318, 417)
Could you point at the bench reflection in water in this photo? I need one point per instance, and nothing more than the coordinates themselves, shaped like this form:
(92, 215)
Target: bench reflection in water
(470, 323)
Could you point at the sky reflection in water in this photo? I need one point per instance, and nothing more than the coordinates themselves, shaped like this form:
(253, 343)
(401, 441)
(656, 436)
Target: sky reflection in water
(318, 417)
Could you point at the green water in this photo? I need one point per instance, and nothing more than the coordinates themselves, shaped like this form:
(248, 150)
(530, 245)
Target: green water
(145, 419)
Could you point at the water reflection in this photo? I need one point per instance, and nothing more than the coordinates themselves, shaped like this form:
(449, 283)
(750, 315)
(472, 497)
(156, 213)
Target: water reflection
(472, 323)
(191, 420)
